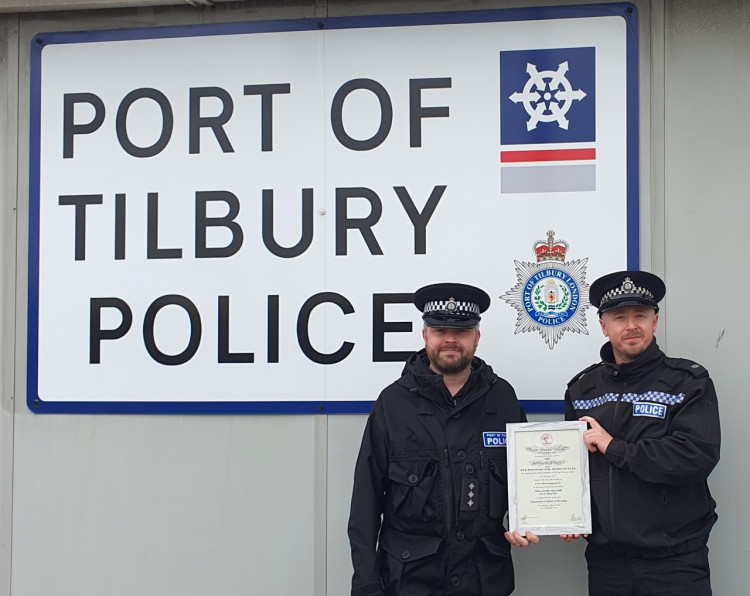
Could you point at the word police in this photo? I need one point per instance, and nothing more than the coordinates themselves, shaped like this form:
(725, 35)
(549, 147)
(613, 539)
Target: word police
(495, 438)
(109, 305)
(649, 409)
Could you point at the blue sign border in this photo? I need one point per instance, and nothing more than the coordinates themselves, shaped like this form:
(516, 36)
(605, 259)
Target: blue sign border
(625, 10)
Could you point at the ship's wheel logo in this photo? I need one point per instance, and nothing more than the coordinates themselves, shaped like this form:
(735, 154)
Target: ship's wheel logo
(547, 96)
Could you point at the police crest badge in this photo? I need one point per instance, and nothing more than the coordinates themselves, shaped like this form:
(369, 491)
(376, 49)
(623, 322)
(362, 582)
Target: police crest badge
(551, 296)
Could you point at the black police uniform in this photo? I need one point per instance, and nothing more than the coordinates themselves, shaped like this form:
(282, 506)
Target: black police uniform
(651, 507)
(429, 498)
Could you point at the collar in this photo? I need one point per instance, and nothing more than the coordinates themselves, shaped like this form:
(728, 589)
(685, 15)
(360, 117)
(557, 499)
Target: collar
(646, 362)
(418, 377)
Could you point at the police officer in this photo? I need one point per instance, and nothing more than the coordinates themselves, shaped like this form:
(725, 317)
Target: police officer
(430, 488)
(653, 440)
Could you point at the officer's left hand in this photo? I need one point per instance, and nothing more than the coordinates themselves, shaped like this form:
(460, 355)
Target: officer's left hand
(596, 438)
(517, 540)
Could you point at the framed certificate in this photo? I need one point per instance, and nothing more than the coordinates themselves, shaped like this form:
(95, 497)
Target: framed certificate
(548, 478)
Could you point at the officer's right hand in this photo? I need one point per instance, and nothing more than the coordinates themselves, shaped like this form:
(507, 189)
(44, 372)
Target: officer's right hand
(572, 537)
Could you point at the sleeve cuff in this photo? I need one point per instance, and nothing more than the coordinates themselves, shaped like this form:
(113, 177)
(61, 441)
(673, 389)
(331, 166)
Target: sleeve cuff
(616, 452)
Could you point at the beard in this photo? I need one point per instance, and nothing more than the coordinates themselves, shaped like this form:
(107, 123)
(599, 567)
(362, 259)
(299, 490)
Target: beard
(630, 353)
(625, 352)
(449, 365)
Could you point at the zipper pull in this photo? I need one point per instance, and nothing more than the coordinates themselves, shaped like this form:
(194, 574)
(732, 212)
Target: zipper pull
(446, 460)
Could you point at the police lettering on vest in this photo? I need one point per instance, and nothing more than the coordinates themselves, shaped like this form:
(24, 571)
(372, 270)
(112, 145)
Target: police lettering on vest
(494, 439)
(649, 409)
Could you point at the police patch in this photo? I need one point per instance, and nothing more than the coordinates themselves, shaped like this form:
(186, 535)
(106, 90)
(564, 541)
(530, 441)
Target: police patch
(494, 439)
(551, 296)
(651, 410)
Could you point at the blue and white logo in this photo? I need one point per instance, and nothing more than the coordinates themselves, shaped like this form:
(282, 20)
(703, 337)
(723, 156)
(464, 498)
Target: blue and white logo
(551, 295)
(548, 96)
(644, 408)
(494, 439)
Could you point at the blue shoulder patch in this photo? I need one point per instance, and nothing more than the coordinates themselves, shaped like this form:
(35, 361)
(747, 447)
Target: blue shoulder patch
(495, 439)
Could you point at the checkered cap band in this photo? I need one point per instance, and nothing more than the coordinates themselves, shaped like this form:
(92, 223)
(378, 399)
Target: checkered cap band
(628, 288)
(457, 307)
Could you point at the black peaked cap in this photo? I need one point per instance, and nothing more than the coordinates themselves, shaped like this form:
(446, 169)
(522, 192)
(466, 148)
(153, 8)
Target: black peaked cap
(627, 288)
(453, 305)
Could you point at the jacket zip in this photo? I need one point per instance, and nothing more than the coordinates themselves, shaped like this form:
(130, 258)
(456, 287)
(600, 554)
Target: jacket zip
(611, 469)
(448, 487)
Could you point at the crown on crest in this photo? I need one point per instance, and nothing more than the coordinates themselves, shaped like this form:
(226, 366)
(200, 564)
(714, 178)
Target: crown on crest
(550, 249)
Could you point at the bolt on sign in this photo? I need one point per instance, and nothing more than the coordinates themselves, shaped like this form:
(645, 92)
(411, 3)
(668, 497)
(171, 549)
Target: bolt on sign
(244, 234)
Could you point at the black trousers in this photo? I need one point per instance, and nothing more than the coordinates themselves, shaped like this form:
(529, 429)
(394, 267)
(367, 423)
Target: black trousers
(613, 574)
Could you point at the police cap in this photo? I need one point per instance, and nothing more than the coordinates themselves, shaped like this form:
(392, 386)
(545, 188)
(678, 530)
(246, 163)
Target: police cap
(627, 288)
(451, 305)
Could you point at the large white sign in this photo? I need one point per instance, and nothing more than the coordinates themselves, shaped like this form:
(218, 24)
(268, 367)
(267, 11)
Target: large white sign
(233, 218)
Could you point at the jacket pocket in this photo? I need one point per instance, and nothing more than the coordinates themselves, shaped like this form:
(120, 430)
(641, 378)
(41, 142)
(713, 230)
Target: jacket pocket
(410, 562)
(498, 487)
(415, 491)
(495, 565)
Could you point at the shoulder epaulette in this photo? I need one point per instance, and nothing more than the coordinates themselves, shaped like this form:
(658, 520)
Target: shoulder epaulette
(690, 366)
(580, 375)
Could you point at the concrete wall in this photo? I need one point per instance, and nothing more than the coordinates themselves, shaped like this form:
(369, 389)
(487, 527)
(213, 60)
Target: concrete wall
(179, 505)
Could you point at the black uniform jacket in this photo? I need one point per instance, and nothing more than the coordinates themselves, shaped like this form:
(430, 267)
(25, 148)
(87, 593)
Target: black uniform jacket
(429, 498)
(649, 492)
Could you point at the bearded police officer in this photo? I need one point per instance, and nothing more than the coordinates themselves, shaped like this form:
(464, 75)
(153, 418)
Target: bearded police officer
(653, 440)
(430, 488)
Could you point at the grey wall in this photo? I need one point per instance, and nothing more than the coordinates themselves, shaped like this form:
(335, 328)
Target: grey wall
(179, 505)
(706, 216)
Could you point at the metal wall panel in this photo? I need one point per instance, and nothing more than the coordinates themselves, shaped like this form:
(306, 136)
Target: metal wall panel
(9, 126)
(48, 5)
(707, 149)
(163, 505)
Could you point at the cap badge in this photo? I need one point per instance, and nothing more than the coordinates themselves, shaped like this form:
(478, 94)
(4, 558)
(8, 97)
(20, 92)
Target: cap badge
(551, 296)
(626, 287)
(451, 306)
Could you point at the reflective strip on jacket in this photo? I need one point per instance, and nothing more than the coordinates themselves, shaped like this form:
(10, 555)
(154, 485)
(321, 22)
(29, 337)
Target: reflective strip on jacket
(649, 491)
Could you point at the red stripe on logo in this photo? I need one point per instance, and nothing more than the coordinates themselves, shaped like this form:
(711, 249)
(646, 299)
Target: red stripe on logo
(548, 155)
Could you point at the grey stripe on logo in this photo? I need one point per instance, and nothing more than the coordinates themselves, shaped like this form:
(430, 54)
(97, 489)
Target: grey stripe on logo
(577, 177)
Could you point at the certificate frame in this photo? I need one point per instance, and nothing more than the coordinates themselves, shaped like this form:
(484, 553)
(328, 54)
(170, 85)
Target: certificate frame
(549, 488)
